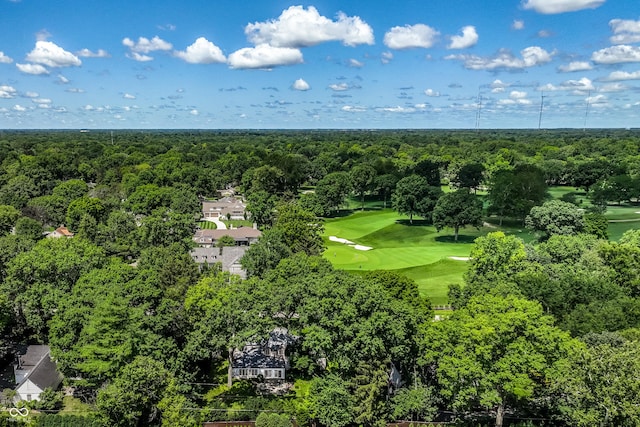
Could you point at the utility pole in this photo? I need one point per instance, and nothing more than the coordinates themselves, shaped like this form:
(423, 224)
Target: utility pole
(478, 111)
(586, 112)
(541, 107)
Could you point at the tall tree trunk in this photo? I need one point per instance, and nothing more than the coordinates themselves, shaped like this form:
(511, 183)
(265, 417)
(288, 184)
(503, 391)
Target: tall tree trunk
(230, 369)
(411, 218)
(455, 233)
(500, 415)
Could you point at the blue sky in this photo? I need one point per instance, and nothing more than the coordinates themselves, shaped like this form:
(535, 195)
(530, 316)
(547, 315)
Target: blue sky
(325, 64)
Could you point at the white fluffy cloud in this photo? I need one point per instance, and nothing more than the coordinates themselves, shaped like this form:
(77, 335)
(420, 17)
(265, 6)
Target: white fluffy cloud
(265, 57)
(202, 51)
(468, 38)
(299, 27)
(19, 108)
(577, 86)
(517, 24)
(550, 7)
(613, 87)
(144, 45)
(86, 53)
(353, 109)
(128, 96)
(52, 55)
(41, 101)
(35, 69)
(624, 31)
(7, 92)
(498, 86)
(354, 63)
(139, 57)
(300, 84)
(386, 57)
(530, 57)
(397, 109)
(623, 75)
(575, 66)
(516, 97)
(432, 93)
(339, 87)
(4, 59)
(411, 36)
(617, 54)
(138, 50)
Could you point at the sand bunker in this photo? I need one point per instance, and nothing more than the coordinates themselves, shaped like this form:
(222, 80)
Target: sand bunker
(362, 248)
(459, 258)
(350, 243)
(340, 240)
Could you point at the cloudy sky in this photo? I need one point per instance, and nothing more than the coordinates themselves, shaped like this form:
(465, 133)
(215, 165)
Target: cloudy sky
(326, 64)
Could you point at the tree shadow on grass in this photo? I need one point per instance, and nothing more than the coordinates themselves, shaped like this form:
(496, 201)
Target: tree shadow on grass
(416, 222)
(339, 213)
(462, 238)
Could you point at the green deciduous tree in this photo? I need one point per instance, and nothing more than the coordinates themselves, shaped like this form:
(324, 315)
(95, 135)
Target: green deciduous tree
(132, 398)
(91, 206)
(300, 229)
(331, 401)
(495, 353)
(222, 316)
(333, 189)
(555, 217)
(265, 254)
(470, 176)
(416, 402)
(71, 190)
(457, 209)
(362, 180)
(512, 193)
(39, 280)
(598, 386)
(414, 196)
(261, 204)
(494, 258)
(8, 217)
(384, 185)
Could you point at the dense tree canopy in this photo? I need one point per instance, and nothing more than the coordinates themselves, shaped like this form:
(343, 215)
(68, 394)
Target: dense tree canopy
(144, 335)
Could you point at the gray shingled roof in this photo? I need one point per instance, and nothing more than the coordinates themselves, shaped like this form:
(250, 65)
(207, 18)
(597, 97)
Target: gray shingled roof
(228, 255)
(255, 358)
(44, 372)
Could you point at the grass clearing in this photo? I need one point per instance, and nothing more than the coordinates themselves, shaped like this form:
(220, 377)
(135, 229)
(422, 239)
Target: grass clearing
(74, 406)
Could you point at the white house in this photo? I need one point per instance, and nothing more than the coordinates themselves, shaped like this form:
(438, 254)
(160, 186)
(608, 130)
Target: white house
(34, 372)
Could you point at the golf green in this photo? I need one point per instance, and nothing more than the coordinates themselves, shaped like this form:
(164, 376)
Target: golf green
(416, 250)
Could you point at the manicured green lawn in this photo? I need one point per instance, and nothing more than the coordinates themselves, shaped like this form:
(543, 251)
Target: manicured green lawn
(207, 225)
(626, 212)
(417, 250)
